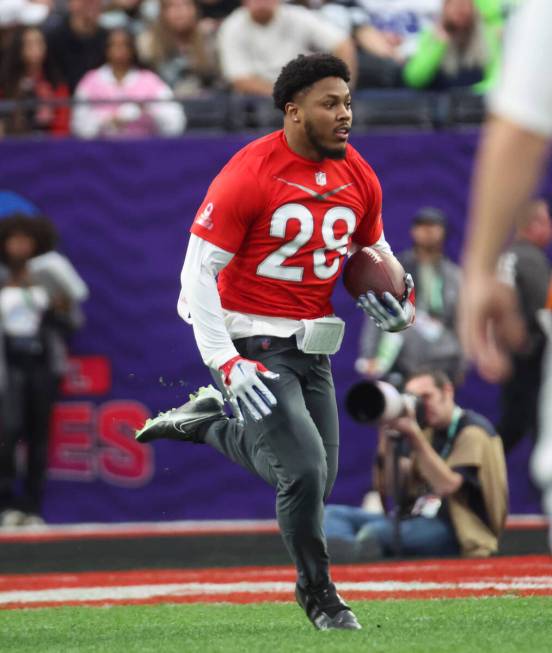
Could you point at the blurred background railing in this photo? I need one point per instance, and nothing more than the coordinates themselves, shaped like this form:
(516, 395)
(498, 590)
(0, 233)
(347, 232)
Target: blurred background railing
(227, 112)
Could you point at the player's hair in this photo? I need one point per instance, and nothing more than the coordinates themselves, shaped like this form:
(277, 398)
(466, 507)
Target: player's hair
(304, 71)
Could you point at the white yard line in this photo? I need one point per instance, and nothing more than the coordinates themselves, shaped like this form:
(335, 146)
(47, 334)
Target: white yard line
(150, 591)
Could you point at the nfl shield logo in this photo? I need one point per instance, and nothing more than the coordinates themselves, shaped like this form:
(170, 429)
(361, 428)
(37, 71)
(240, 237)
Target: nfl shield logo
(320, 178)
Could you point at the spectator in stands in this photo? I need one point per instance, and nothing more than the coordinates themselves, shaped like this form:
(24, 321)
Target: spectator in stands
(138, 102)
(133, 15)
(24, 12)
(78, 43)
(461, 49)
(13, 15)
(214, 11)
(432, 339)
(30, 77)
(180, 48)
(453, 470)
(257, 39)
(35, 314)
(497, 11)
(525, 266)
(385, 32)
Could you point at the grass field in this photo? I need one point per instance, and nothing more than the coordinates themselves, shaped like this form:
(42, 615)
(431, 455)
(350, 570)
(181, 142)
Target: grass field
(489, 625)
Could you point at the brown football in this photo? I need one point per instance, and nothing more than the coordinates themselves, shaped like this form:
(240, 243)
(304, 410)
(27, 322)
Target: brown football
(369, 269)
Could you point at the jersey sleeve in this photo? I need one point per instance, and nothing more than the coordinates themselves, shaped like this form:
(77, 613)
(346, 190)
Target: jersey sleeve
(232, 201)
(370, 227)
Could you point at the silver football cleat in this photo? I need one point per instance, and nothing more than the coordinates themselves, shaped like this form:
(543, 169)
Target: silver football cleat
(181, 423)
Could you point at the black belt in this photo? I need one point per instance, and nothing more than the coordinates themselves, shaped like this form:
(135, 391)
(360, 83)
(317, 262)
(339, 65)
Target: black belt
(291, 340)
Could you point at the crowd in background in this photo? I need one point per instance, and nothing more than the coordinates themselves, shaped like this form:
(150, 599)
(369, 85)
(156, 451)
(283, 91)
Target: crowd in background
(129, 64)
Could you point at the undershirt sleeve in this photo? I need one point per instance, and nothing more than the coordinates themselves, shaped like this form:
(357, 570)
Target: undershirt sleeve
(199, 300)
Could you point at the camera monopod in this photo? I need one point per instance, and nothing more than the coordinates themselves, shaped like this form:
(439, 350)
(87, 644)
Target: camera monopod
(375, 403)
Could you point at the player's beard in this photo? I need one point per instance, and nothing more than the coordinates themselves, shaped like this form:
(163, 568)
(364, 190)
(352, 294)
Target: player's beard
(323, 151)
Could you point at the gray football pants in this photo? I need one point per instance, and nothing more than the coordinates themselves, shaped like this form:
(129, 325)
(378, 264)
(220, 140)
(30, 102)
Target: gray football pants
(295, 449)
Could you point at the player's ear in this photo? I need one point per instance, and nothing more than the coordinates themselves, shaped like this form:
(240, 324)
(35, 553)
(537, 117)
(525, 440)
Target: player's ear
(292, 111)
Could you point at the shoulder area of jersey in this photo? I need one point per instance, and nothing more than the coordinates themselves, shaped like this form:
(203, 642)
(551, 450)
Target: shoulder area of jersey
(258, 149)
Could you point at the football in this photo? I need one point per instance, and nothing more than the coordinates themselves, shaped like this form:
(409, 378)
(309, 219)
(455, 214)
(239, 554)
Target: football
(369, 269)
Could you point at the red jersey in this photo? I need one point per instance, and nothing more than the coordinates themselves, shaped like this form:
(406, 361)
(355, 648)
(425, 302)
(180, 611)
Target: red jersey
(289, 222)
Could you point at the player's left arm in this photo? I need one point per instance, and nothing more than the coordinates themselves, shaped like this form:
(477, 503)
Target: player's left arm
(199, 298)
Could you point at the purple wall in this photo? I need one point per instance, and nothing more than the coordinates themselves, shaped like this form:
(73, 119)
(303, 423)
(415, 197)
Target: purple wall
(123, 210)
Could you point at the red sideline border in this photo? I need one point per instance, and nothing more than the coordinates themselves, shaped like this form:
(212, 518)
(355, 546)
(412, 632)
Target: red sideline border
(429, 579)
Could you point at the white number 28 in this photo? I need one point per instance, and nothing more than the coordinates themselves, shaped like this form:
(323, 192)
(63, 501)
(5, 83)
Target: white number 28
(273, 265)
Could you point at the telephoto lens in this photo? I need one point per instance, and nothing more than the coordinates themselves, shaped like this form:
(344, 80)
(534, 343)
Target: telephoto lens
(378, 402)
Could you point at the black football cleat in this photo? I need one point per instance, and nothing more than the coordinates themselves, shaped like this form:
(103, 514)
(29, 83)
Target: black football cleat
(325, 608)
(206, 405)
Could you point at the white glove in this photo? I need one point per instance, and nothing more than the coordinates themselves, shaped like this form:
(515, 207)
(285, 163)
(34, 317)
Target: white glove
(241, 377)
(388, 313)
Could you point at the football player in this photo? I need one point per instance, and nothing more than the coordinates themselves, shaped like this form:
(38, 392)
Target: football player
(512, 155)
(274, 227)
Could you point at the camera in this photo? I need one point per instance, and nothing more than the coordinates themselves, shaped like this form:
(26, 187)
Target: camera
(378, 402)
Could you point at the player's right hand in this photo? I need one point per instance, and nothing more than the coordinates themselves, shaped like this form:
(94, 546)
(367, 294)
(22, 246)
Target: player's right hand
(387, 312)
(491, 325)
(241, 377)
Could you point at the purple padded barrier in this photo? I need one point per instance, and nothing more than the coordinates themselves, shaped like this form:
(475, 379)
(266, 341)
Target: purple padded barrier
(123, 210)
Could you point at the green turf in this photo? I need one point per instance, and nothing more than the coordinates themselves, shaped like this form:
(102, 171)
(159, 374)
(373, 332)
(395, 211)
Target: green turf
(500, 625)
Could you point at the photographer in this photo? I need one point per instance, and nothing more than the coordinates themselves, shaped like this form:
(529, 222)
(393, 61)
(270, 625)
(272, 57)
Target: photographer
(453, 472)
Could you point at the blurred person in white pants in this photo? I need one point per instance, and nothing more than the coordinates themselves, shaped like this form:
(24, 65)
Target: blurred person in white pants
(512, 155)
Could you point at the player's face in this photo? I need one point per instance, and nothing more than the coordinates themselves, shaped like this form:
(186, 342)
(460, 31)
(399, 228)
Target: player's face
(325, 112)
(438, 403)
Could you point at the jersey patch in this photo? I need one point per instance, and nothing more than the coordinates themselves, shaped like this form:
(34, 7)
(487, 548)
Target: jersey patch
(205, 218)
